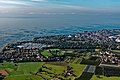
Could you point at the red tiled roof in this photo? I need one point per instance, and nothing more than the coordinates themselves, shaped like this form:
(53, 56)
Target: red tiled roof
(4, 73)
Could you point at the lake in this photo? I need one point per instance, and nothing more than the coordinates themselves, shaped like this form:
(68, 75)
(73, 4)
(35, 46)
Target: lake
(25, 27)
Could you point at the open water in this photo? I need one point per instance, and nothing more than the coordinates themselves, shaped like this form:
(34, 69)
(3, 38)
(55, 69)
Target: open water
(25, 27)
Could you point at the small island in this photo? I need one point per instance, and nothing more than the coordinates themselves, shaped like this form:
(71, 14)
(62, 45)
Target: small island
(88, 55)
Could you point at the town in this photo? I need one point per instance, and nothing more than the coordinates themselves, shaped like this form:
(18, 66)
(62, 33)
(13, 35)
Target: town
(98, 51)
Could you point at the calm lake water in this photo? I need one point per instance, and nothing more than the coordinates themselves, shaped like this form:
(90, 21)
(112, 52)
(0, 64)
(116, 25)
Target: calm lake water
(25, 27)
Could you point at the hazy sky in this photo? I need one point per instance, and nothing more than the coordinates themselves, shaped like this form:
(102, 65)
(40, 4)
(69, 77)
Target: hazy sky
(58, 6)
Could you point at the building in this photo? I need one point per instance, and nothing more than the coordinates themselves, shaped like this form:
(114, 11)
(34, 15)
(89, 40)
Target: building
(117, 40)
(3, 73)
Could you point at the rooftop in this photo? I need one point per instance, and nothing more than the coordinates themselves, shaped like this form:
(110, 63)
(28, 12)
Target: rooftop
(4, 73)
(31, 46)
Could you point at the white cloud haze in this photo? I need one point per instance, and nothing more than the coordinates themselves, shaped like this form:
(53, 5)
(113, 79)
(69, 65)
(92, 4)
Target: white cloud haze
(57, 6)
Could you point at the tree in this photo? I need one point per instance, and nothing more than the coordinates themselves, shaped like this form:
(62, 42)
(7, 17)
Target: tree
(1, 77)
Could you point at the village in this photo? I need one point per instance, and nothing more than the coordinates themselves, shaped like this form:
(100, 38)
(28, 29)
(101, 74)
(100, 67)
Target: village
(95, 50)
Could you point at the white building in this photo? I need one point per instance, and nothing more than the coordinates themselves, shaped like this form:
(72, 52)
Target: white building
(117, 40)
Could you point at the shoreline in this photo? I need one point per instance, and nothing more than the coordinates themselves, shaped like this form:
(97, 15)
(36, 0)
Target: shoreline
(70, 29)
(52, 36)
(106, 40)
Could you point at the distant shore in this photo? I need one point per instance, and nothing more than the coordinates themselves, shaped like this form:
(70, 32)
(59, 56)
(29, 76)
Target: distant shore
(20, 33)
(106, 40)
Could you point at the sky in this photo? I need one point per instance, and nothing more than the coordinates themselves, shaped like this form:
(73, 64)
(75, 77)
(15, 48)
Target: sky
(58, 6)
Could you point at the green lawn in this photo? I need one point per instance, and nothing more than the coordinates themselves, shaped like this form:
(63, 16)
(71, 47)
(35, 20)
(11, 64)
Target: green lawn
(54, 49)
(116, 51)
(50, 70)
(97, 50)
(104, 78)
(25, 71)
(23, 77)
(69, 51)
(21, 71)
(60, 54)
(56, 69)
(77, 69)
(6, 65)
(29, 67)
(77, 60)
(46, 53)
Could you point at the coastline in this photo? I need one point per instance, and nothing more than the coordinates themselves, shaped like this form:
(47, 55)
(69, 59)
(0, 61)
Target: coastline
(91, 52)
(26, 33)
(54, 36)
(88, 40)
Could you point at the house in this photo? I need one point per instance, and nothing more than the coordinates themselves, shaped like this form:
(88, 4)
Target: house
(3, 73)
(117, 40)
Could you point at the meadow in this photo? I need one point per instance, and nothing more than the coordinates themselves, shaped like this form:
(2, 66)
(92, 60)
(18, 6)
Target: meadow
(21, 71)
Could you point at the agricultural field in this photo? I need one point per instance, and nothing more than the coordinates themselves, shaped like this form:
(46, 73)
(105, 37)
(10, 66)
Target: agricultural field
(69, 50)
(85, 76)
(56, 69)
(78, 69)
(7, 65)
(97, 50)
(21, 71)
(52, 52)
(23, 77)
(46, 53)
(116, 51)
(95, 77)
(28, 70)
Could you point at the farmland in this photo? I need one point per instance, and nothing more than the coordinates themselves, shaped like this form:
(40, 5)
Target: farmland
(27, 71)
(75, 59)
(21, 71)
(42, 70)
(116, 51)
(63, 57)
(52, 70)
(104, 78)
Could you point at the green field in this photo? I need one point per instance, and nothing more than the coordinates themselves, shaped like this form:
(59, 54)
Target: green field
(116, 51)
(46, 53)
(56, 69)
(26, 71)
(104, 78)
(97, 50)
(29, 67)
(7, 65)
(76, 60)
(77, 69)
(23, 77)
(51, 70)
(21, 71)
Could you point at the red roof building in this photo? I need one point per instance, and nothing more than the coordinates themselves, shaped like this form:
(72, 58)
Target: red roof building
(4, 73)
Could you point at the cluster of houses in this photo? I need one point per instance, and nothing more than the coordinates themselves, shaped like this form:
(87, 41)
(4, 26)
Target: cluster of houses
(21, 53)
(68, 71)
(108, 57)
(86, 40)
(29, 50)
(115, 38)
(32, 46)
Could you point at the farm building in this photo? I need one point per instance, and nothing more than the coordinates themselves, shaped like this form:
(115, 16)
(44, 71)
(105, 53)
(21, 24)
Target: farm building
(3, 72)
